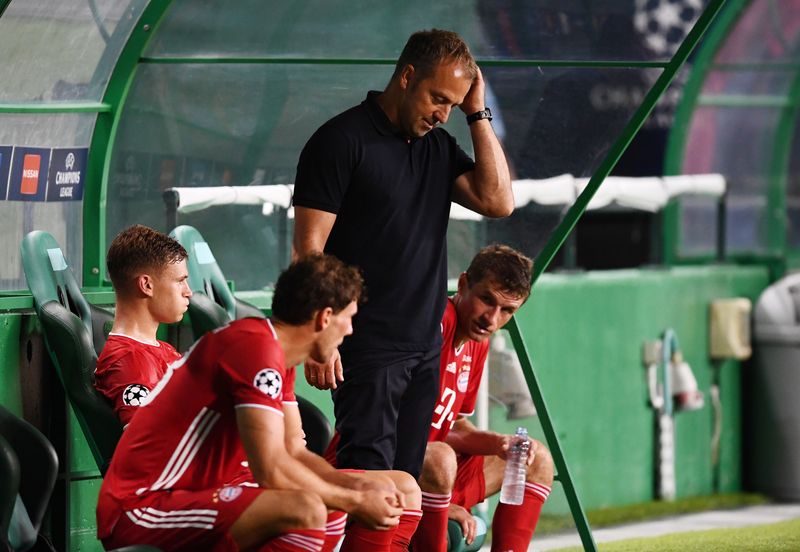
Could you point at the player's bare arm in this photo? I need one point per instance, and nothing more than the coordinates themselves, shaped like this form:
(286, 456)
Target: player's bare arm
(487, 188)
(273, 467)
(311, 230)
(367, 481)
(465, 438)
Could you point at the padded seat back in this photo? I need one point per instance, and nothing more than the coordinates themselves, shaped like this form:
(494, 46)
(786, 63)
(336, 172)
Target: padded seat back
(37, 467)
(9, 488)
(213, 303)
(316, 426)
(74, 333)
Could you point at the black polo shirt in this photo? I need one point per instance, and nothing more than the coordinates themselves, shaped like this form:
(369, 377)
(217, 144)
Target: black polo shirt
(391, 196)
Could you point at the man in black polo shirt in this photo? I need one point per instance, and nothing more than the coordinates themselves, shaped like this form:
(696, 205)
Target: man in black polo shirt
(373, 187)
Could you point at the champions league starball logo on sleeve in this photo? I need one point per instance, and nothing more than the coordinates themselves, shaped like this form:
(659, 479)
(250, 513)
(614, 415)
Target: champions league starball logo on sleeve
(269, 382)
(134, 394)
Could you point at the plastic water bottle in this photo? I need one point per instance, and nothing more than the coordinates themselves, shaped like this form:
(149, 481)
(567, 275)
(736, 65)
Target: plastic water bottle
(513, 489)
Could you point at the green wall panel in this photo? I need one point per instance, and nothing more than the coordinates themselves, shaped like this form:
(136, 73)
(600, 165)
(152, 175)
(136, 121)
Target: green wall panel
(586, 333)
(83, 527)
(10, 395)
(81, 454)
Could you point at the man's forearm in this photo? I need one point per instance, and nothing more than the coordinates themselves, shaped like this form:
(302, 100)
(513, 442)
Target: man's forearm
(492, 182)
(323, 469)
(293, 474)
(465, 438)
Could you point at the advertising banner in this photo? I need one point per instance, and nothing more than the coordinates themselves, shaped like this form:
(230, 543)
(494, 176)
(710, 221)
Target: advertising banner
(29, 174)
(67, 174)
(5, 169)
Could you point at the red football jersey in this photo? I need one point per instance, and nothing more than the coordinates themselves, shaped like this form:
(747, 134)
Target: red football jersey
(129, 369)
(460, 373)
(185, 436)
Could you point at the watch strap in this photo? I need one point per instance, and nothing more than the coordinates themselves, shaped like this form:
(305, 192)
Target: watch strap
(484, 113)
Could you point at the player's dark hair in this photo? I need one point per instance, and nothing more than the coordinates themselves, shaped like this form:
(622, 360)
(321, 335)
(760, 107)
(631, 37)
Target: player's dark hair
(505, 267)
(427, 49)
(313, 283)
(140, 249)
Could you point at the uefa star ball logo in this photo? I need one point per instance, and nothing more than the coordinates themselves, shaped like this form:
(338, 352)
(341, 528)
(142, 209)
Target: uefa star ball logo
(664, 24)
(269, 382)
(134, 394)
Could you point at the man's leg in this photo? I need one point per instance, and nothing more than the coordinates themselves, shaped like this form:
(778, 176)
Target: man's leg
(223, 519)
(436, 481)
(415, 413)
(281, 520)
(359, 538)
(412, 510)
(513, 526)
(366, 406)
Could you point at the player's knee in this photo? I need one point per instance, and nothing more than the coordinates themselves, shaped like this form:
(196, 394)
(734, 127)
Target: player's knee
(439, 469)
(541, 471)
(407, 485)
(306, 510)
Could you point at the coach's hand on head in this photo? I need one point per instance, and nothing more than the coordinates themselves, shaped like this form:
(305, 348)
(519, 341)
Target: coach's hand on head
(475, 98)
(324, 375)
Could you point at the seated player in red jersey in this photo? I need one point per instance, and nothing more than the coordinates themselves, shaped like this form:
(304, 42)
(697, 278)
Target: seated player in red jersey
(176, 480)
(148, 270)
(463, 465)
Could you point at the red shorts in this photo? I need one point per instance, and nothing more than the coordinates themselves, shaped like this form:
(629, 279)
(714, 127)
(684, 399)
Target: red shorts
(176, 520)
(470, 487)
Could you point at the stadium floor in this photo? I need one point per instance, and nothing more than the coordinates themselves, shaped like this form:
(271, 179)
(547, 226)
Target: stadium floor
(702, 521)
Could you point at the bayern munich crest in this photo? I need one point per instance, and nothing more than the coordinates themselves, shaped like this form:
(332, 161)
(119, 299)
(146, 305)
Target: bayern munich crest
(269, 382)
(229, 494)
(463, 380)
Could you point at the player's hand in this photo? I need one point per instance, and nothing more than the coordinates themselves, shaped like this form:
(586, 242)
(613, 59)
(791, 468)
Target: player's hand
(504, 443)
(465, 520)
(324, 375)
(508, 440)
(475, 98)
(364, 482)
(378, 510)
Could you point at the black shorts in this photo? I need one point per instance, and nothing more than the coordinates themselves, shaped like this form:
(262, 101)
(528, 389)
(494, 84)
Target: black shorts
(384, 407)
